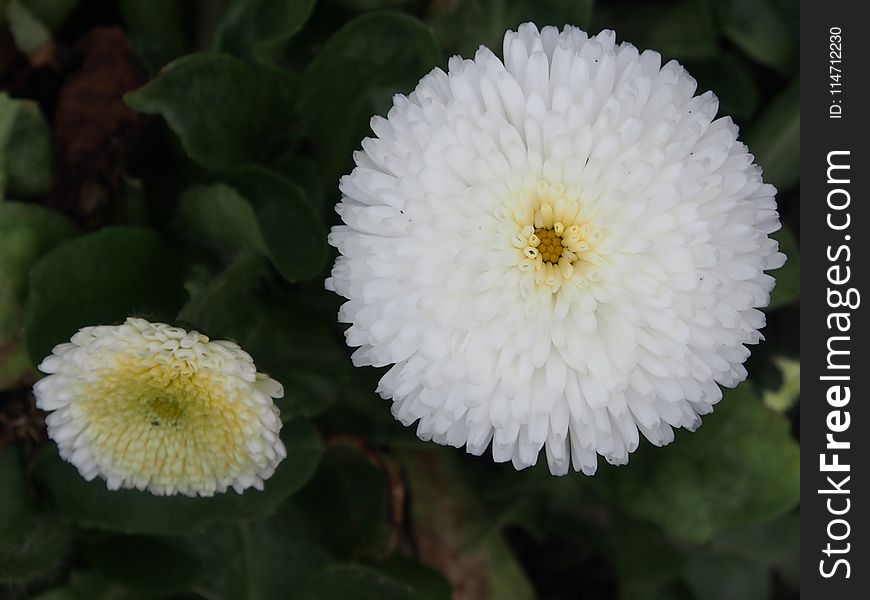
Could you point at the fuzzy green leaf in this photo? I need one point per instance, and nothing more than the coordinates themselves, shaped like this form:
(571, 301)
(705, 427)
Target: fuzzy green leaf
(717, 576)
(88, 585)
(224, 111)
(463, 26)
(31, 545)
(91, 504)
(775, 139)
(788, 277)
(25, 149)
(27, 30)
(51, 12)
(685, 30)
(740, 467)
(258, 28)
(151, 564)
(757, 29)
(218, 216)
(156, 30)
(100, 279)
(271, 330)
(775, 544)
(347, 503)
(255, 213)
(294, 237)
(268, 559)
(644, 559)
(427, 583)
(729, 77)
(27, 231)
(354, 76)
(354, 582)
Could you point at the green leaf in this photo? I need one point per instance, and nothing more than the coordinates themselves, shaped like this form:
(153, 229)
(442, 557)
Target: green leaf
(50, 12)
(757, 29)
(683, 30)
(361, 6)
(31, 545)
(305, 172)
(16, 370)
(28, 153)
(151, 564)
(295, 238)
(87, 585)
(15, 506)
(452, 529)
(740, 467)
(258, 28)
(91, 504)
(311, 371)
(645, 561)
(775, 544)
(359, 411)
(8, 112)
(28, 32)
(224, 111)
(38, 553)
(271, 330)
(156, 30)
(775, 138)
(347, 502)
(219, 216)
(676, 591)
(257, 214)
(717, 576)
(788, 277)
(26, 232)
(463, 26)
(131, 204)
(361, 65)
(25, 149)
(100, 279)
(428, 584)
(730, 78)
(234, 283)
(354, 582)
(789, 13)
(269, 559)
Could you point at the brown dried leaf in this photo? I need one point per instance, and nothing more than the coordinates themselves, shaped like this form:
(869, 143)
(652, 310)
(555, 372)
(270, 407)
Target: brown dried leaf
(20, 420)
(94, 129)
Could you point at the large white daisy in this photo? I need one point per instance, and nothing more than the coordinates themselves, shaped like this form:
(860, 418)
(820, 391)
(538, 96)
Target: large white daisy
(153, 407)
(558, 251)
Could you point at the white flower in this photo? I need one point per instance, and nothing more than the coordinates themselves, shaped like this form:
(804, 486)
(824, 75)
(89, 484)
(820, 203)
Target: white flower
(149, 406)
(560, 251)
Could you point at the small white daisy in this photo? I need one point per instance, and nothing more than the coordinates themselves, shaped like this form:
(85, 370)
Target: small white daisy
(153, 407)
(558, 251)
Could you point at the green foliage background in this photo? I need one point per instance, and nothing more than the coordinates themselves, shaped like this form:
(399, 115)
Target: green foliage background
(206, 203)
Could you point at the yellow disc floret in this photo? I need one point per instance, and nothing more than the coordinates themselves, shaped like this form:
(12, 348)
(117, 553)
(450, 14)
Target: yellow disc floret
(550, 245)
(556, 240)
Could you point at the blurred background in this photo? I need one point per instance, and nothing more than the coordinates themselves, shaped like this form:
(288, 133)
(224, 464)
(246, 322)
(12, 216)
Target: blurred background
(201, 195)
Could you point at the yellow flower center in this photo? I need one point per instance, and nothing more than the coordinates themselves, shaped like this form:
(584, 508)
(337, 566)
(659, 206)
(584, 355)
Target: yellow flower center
(555, 238)
(165, 410)
(549, 245)
(168, 421)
